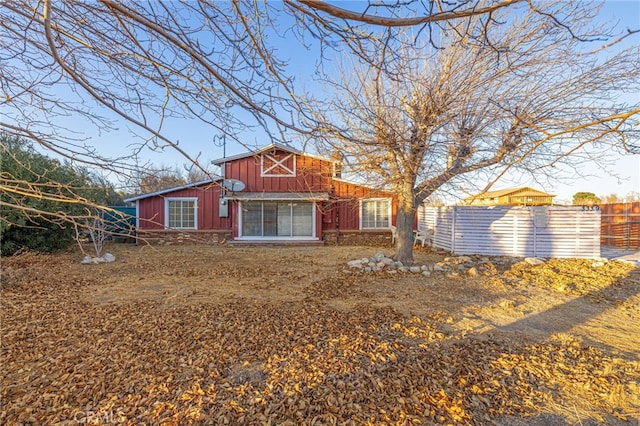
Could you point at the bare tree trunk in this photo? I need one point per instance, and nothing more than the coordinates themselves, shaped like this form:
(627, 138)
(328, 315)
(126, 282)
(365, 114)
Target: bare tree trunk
(404, 223)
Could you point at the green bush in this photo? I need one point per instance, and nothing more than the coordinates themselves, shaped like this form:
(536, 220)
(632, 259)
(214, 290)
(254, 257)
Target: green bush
(41, 199)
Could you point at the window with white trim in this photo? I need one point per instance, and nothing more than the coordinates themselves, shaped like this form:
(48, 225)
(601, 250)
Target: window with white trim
(277, 219)
(375, 213)
(181, 213)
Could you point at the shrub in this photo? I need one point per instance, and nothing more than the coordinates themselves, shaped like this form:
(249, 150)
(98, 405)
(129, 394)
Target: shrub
(43, 201)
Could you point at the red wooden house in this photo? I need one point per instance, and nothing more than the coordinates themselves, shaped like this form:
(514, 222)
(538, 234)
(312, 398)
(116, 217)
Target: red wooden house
(273, 194)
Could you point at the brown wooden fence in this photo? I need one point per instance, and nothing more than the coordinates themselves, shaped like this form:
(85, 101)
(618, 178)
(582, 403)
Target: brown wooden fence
(620, 225)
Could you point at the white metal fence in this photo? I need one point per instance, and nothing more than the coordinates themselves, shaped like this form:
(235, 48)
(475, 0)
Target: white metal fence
(549, 231)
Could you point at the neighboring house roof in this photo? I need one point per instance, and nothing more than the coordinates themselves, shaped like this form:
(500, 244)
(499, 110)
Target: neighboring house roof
(269, 148)
(175, 188)
(522, 191)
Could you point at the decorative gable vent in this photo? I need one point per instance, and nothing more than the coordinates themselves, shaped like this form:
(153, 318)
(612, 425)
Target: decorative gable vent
(278, 164)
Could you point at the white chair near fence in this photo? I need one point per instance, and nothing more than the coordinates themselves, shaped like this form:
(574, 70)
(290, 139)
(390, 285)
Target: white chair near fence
(424, 236)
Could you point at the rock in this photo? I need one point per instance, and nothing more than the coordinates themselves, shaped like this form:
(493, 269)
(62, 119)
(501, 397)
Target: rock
(399, 264)
(472, 272)
(107, 257)
(463, 259)
(364, 260)
(426, 273)
(367, 269)
(415, 269)
(379, 256)
(403, 269)
(387, 261)
(391, 271)
(534, 260)
(438, 268)
(346, 271)
(355, 264)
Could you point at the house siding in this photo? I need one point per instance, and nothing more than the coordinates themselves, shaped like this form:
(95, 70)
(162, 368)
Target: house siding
(346, 199)
(151, 210)
(312, 175)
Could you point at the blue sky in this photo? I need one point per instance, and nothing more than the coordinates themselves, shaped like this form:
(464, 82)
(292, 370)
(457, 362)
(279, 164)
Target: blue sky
(622, 177)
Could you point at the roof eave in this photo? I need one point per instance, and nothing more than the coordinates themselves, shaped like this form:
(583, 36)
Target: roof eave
(272, 145)
(279, 196)
(175, 188)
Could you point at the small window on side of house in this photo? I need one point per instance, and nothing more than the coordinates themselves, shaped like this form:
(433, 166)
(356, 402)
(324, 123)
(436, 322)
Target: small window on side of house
(375, 213)
(181, 213)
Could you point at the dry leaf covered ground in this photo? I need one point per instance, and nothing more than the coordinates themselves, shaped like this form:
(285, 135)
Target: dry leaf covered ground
(265, 335)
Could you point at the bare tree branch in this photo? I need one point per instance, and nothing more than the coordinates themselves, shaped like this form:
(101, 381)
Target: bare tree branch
(342, 13)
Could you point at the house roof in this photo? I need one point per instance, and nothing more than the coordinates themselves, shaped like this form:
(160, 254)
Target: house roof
(269, 147)
(258, 196)
(175, 188)
(280, 196)
(523, 190)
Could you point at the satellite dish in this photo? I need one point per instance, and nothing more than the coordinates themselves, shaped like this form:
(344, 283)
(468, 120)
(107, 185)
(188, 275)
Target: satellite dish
(233, 185)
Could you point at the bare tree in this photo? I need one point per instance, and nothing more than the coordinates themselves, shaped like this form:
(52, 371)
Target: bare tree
(141, 63)
(528, 100)
(611, 199)
(196, 174)
(157, 179)
(97, 234)
(147, 63)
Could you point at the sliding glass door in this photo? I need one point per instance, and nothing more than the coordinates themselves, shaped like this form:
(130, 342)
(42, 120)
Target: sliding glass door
(277, 219)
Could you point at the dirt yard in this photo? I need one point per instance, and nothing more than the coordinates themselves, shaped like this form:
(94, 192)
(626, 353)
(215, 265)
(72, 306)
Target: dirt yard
(267, 335)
